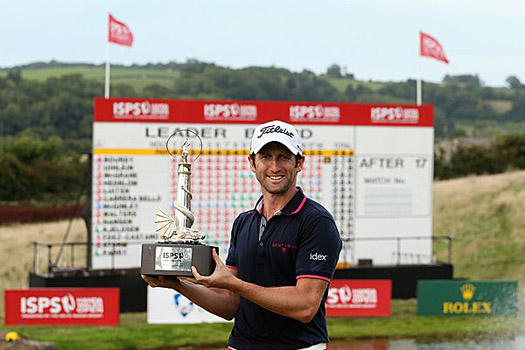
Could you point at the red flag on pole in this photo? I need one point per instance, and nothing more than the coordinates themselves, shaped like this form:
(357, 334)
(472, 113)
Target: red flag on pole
(430, 47)
(119, 32)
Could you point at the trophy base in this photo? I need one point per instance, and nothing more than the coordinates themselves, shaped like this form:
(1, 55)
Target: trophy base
(174, 259)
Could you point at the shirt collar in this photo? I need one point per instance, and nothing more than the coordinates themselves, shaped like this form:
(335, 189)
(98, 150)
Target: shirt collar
(293, 206)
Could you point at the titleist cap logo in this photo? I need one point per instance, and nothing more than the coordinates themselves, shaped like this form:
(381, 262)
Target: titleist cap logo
(273, 128)
(276, 131)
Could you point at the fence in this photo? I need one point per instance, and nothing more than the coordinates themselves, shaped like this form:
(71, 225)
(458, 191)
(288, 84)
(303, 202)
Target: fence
(402, 257)
(74, 255)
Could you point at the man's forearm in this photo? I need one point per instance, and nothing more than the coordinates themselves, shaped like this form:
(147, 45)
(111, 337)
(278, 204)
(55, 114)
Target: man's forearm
(220, 302)
(299, 302)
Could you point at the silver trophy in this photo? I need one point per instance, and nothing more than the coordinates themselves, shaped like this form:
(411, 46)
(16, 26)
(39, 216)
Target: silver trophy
(180, 247)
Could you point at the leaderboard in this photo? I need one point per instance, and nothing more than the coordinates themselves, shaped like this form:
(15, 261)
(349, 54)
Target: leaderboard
(369, 165)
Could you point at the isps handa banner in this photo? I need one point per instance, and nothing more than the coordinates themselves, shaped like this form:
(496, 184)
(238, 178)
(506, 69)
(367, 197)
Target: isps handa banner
(62, 306)
(359, 298)
(467, 298)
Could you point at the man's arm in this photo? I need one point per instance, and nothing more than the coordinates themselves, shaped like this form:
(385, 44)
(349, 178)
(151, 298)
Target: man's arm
(299, 302)
(220, 302)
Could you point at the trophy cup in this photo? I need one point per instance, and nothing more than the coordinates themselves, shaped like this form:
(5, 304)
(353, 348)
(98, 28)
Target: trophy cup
(180, 247)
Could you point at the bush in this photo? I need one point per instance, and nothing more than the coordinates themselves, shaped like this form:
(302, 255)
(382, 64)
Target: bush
(507, 152)
(33, 169)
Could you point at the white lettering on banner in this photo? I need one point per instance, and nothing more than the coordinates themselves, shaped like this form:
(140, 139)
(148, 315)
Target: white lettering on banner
(316, 113)
(364, 296)
(229, 112)
(140, 110)
(347, 298)
(31, 307)
(339, 295)
(90, 305)
(394, 115)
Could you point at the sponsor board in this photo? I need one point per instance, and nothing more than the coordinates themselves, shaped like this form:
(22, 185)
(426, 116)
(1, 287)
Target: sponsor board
(143, 109)
(317, 113)
(62, 306)
(230, 111)
(359, 298)
(394, 115)
(467, 298)
(248, 112)
(166, 306)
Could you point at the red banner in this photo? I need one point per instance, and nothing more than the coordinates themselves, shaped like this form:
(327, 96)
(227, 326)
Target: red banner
(62, 306)
(359, 298)
(255, 112)
(119, 33)
(430, 47)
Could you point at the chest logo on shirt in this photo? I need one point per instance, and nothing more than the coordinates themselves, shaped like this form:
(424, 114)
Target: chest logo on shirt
(284, 246)
(318, 257)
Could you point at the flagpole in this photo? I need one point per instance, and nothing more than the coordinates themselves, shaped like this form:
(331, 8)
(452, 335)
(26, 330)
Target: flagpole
(418, 84)
(106, 88)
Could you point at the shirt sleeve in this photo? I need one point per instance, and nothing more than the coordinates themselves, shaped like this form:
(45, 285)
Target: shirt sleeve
(318, 250)
(231, 259)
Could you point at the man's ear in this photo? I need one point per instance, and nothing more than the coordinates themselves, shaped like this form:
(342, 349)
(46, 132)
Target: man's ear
(300, 165)
(252, 164)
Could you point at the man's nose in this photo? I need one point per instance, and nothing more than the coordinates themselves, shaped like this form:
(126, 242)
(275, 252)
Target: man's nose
(275, 164)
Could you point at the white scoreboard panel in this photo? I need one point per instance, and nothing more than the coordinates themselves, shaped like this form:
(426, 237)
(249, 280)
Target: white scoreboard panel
(370, 165)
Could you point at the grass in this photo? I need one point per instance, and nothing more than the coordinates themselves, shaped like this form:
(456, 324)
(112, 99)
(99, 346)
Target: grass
(341, 84)
(134, 333)
(485, 216)
(490, 128)
(97, 73)
(500, 106)
(136, 77)
(16, 252)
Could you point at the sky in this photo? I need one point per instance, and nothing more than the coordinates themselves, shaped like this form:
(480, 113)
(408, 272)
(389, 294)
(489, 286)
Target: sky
(372, 39)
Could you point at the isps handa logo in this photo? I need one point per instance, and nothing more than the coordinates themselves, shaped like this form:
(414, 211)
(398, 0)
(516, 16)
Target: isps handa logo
(53, 305)
(467, 306)
(141, 110)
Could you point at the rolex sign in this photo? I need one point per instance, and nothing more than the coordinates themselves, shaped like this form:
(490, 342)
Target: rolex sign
(467, 298)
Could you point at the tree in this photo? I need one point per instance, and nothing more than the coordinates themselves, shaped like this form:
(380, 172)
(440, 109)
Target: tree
(334, 71)
(514, 82)
(15, 75)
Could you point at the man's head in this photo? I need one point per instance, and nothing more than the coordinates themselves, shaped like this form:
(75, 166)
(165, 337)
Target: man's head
(276, 156)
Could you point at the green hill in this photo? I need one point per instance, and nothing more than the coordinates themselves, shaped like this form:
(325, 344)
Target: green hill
(463, 106)
(485, 216)
(136, 77)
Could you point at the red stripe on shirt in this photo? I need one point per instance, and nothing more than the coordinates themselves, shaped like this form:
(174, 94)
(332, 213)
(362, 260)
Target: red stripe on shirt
(314, 276)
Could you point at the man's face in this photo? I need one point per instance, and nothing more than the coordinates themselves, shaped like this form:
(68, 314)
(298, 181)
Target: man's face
(276, 169)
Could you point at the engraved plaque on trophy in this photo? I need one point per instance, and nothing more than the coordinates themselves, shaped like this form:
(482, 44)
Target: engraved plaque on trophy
(180, 247)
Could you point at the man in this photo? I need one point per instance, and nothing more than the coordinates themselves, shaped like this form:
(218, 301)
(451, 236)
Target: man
(281, 258)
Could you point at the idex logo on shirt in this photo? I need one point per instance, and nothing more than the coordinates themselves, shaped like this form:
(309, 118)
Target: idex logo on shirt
(272, 128)
(318, 257)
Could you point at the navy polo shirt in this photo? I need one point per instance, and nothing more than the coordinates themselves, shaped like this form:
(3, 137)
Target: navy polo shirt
(301, 242)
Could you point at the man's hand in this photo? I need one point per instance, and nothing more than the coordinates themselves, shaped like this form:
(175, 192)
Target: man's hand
(220, 302)
(161, 281)
(222, 277)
